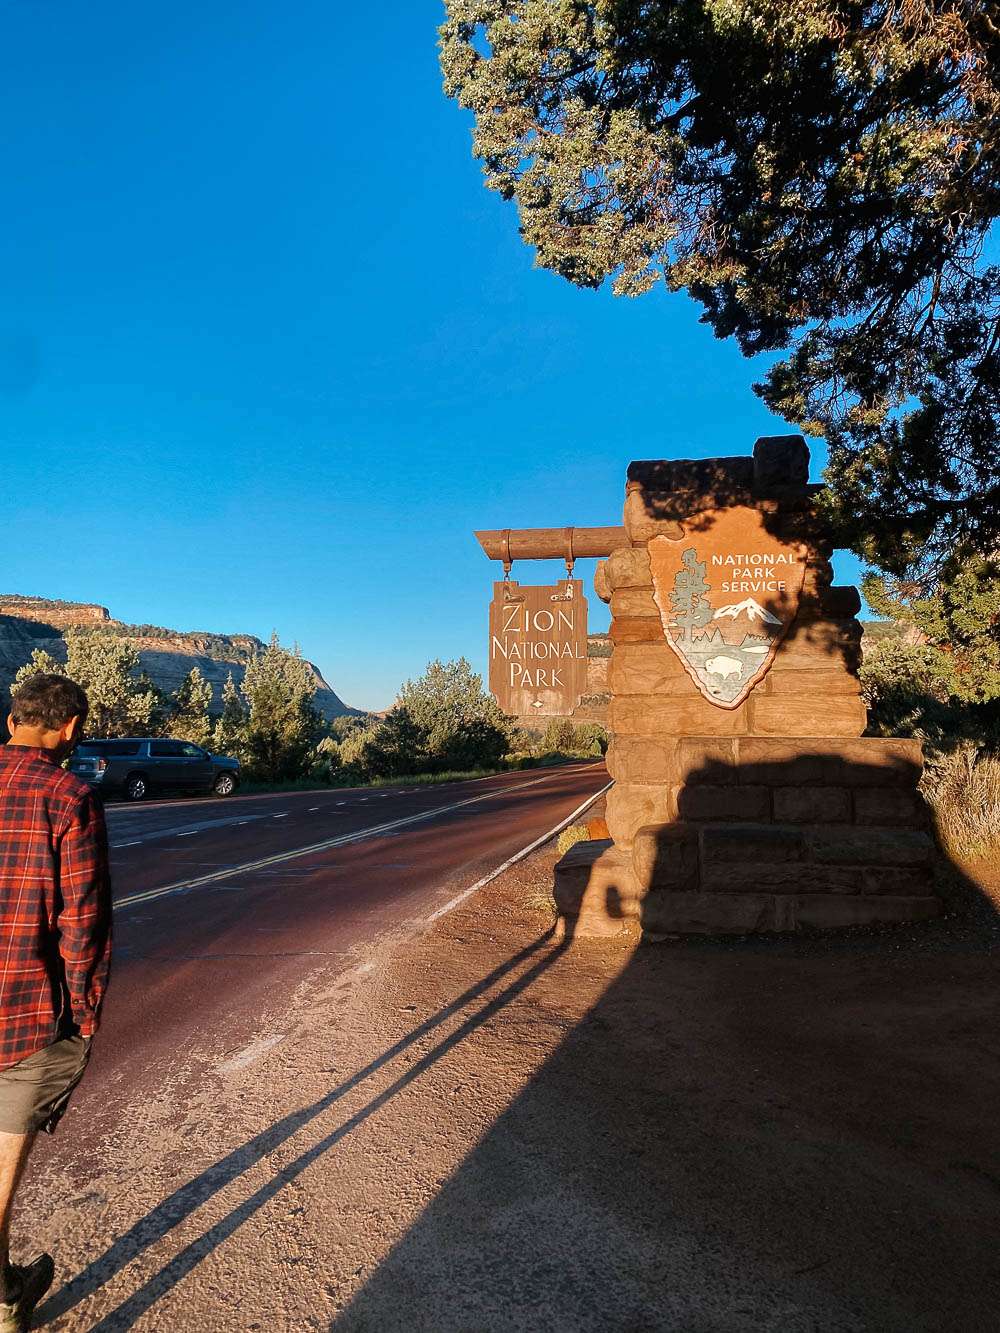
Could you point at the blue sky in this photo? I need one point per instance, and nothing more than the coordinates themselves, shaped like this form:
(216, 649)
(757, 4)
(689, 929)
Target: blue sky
(269, 352)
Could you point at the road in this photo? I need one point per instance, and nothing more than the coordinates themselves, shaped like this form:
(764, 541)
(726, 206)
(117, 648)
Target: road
(227, 911)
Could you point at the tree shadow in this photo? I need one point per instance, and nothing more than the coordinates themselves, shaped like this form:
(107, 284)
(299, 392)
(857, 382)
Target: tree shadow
(788, 1131)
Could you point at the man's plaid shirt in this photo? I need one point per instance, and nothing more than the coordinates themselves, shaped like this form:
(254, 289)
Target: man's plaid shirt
(55, 904)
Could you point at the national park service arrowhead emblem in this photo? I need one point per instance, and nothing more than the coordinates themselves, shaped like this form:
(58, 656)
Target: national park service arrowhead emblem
(728, 591)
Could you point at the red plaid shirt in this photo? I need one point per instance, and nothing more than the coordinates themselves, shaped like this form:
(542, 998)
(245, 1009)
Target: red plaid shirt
(55, 904)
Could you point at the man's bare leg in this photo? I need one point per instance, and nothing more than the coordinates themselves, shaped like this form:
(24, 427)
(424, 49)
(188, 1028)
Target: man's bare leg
(14, 1150)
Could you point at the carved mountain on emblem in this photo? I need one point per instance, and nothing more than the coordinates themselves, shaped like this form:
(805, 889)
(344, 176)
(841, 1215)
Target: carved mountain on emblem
(750, 608)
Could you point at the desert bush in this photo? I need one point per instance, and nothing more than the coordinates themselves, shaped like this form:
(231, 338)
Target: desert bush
(963, 790)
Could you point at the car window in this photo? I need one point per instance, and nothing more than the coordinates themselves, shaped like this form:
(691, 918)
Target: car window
(192, 751)
(166, 749)
(111, 748)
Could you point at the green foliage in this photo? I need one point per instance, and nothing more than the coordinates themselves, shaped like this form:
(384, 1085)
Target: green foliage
(443, 721)
(558, 736)
(590, 738)
(190, 703)
(820, 178)
(282, 725)
(122, 700)
(229, 732)
(394, 745)
(959, 614)
(937, 676)
(462, 724)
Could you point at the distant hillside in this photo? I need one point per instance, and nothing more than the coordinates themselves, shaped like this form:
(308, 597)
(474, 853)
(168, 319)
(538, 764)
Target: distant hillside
(167, 655)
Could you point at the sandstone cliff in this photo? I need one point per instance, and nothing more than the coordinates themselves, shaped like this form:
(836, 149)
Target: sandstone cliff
(167, 655)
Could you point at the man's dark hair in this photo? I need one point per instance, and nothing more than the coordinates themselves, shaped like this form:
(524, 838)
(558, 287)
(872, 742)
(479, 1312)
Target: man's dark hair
(49, 701)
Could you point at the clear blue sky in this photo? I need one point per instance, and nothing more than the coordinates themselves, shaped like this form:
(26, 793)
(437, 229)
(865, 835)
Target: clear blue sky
(269, 352)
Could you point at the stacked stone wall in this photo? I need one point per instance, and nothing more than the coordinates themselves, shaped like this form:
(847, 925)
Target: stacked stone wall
(772, 814)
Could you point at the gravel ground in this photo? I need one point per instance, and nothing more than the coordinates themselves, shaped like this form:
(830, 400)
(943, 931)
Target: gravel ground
(492, 1130)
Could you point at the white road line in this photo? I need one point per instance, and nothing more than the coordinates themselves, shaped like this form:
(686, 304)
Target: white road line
(376, 830)
(258, 1047)
(518, 856)
(313, 809)
(136, 843)
(189, 834)
(283, 815)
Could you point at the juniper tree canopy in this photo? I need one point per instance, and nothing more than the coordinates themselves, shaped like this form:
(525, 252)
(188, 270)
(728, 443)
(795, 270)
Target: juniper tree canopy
(820, 175)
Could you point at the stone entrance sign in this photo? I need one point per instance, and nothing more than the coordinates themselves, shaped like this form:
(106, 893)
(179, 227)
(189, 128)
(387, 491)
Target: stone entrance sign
(538, 647)
(728, 592)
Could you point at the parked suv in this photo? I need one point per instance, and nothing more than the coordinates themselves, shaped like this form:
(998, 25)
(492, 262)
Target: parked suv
(143, 767)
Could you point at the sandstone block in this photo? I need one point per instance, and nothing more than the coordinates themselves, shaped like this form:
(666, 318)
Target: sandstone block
(900, 880)
(854, 845)
(738, 913)
(631, 805)
(816, 683)
(596, 888)
(865, 762)
(706, 759)
(636, 759)
(601, 585)
(666, 856)
(701, 802)
(793, 877)
(821, 643)
(658, 716)
(729, 477)
(628, 567)
(636, 629)
(818, 579)
(597, 674)
(780, 461)
(894, 809)
(839, 603)
(822, 912)
(647, 668)
(777, 715)
(753, 844)
(812, 805)
(634, 602)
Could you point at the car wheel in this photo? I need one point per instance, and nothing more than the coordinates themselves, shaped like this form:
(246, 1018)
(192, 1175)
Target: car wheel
(136, 787)
(224, 785)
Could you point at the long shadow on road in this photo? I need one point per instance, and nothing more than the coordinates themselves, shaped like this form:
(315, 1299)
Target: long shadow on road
(191, 1196)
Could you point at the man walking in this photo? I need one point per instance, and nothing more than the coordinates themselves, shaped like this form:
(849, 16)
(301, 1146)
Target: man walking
(55, 945)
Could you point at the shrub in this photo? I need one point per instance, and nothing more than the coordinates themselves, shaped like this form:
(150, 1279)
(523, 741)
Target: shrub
(963, 791)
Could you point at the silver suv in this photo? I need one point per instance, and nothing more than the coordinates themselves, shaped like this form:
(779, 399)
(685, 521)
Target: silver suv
(142, 767)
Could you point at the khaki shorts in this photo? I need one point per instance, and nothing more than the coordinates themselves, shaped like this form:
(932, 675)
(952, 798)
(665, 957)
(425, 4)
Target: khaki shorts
(35, 1092)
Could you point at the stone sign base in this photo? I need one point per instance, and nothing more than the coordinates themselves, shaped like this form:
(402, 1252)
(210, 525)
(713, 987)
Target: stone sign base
(763, 834)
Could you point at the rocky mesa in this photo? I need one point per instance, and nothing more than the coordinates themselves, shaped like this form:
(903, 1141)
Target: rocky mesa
(167, 655)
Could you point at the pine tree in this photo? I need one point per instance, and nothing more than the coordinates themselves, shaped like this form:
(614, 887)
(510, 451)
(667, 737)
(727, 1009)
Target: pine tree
(690, 605)
(229, 734)
(282, 726)
(820, 177)
(122, 701)
(190, 703)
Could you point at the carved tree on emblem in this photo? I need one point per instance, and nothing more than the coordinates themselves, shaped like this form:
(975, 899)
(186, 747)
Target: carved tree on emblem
(690, 605)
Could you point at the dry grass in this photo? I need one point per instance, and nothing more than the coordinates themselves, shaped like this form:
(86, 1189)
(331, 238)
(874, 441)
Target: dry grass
(963, 791)
(571, 836)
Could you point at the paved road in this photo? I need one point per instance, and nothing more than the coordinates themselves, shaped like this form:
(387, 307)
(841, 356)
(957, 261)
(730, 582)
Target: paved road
(226, 910)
